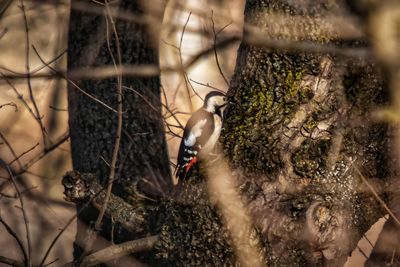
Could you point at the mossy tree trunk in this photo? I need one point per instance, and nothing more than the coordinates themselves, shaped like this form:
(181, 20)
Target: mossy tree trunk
(143, 153)
(299, 133)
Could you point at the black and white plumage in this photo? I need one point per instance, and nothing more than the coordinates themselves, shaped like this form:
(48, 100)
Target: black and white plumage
(201, 133)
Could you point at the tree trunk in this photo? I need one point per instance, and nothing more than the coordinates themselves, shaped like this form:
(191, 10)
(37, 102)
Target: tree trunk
(299, 133)
(93, 127)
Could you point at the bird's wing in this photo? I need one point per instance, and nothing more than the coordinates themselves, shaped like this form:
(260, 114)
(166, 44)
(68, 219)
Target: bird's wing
(201, 126)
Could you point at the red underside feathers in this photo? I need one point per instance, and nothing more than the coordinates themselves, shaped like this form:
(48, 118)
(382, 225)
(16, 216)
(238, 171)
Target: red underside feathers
(190, 165)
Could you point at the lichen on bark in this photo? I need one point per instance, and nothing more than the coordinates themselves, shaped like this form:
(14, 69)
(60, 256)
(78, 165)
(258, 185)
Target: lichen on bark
(297, 128)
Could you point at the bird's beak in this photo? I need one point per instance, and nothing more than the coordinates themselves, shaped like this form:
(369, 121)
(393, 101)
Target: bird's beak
(221, 110)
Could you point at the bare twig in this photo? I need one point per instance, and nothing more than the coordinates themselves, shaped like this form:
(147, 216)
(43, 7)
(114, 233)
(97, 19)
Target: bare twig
(58, 109)
(25, 216)
(119, 120)
(17, 239)
(181, 61)
(375, 194)
(11, 149)
(36, 70)
(105, 72)
(31, 96)
(54, 241)
(142, 97)
(155, 109)
(51, 262)
(215, 35)
(117, 251)
(208, 85)
(71, 220)
(369, 241)
(11, 262)
(73, 84)
(362, 252)
(19, 96)
(12, 104)
(64, 137)
(24, 153)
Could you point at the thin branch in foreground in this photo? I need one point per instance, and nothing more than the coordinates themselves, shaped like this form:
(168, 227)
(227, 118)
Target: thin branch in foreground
(57, 73)
(108, 16)
(116, 251)
(239, 223)
(215, 35)
(362, 252)
(375, 194)
(51, 262)
(208, 85)
(72, 219)
(24, 153)
(172, 114)
(25, 216)
(64, 137)
(11, 149)
(20, 97)
(54, 241)
(36, 70)
(181, 61)
(105, 72)
(12, 104)
(31, 96)
(57, 109)
(11, 262)
(16, 238)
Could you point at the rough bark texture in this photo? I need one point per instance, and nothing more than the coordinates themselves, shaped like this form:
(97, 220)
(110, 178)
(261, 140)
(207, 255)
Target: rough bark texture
(143, 153)
(297, 130)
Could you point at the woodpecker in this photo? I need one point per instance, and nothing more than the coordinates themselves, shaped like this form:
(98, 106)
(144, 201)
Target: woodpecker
(201, 133)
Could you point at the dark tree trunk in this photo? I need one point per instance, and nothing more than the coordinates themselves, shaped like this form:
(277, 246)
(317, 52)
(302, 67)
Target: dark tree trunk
(143, 153)
(298, 129)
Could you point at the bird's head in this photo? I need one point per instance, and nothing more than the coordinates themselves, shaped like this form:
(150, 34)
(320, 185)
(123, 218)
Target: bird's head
(215, 102)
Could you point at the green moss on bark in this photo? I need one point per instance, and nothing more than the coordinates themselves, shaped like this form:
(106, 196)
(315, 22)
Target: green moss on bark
(308, 126)
(268, 96)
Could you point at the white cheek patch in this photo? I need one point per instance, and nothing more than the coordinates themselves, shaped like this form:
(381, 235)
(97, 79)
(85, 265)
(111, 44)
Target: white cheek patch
(194, 133)
(213, 102)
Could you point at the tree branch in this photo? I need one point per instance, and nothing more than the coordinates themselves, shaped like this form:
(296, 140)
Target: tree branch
(116, 251)
(79, 187)
(118, 134)
(11, 262)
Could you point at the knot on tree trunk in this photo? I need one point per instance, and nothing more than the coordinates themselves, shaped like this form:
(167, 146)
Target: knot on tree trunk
(78, 186)
(83, 188)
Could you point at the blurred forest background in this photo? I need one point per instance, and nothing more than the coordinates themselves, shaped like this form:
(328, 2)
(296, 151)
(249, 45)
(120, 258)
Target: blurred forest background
(34, 32)
(40, 170)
